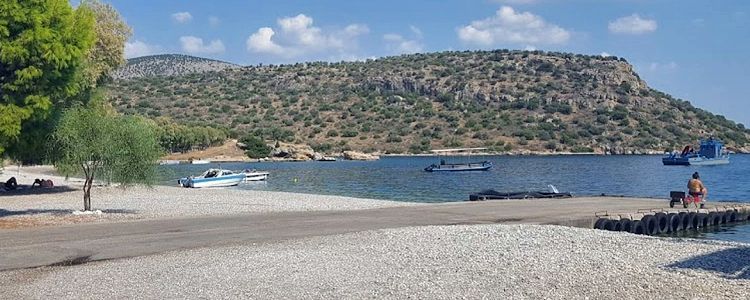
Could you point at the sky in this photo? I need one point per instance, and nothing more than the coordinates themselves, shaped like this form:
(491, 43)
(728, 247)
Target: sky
(694, 50)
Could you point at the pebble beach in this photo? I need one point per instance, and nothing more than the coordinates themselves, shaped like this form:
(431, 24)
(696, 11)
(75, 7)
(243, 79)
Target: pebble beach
(435, 262)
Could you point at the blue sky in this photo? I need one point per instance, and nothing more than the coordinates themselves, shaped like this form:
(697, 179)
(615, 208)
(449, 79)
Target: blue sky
(695, 50)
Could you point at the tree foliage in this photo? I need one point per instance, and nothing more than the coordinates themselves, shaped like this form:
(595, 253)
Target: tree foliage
(175, 137)
(43, 47)
(255, 147)
(103, 145)
(108, 52)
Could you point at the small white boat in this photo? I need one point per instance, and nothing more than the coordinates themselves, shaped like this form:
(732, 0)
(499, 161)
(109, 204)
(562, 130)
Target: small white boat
(253, 175)
(212, 178)
(200, 162)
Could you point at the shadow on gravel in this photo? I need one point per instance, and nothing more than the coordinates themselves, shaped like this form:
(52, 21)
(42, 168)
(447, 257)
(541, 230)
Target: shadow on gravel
(730, 263)
(26, 190)
(28, 212)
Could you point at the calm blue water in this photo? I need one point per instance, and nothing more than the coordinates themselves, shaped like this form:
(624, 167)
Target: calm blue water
(403, 178)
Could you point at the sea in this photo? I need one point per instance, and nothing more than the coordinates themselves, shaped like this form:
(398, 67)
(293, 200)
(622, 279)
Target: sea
(402, 178)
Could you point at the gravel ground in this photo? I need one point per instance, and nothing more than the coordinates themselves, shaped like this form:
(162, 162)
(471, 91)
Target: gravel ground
(439, 262)
(29, 208)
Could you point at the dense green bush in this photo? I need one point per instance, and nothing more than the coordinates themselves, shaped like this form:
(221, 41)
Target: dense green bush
(255, 147)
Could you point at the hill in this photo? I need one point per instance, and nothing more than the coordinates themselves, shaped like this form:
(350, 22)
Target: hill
(505, 100)
(169, 65)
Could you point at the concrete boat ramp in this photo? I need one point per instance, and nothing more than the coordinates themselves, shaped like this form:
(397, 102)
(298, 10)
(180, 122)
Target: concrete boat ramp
(81, 243)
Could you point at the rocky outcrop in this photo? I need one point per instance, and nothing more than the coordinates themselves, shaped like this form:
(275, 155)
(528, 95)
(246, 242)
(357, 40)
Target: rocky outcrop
(355, 155)
(293, 152)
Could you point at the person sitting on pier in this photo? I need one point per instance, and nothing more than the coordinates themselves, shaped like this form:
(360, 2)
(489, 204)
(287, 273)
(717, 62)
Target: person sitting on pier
(697, 189)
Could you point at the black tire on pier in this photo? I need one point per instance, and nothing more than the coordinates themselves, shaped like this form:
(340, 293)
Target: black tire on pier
(599, 223)
(637, 227)
(626, 224)
(714, 218)
(675, 222)
(724, 218)
(661, 222)
(691, 222)
(731, 216)
(649, 225)
(615, 225)
(702, 219)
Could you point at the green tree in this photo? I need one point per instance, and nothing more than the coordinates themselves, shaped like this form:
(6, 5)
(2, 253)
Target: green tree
(108, 52)
(104, 145)
(43, 45)
(255, 147)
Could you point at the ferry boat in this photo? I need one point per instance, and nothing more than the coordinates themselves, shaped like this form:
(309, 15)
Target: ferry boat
(711, 152)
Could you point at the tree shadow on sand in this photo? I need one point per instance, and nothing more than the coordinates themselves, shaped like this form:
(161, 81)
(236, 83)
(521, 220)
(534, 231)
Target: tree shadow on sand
(26, 190)
(29, 212)
(730, 263)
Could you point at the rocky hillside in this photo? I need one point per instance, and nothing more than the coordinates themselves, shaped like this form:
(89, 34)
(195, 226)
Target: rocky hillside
(506, 100)
(169, 65)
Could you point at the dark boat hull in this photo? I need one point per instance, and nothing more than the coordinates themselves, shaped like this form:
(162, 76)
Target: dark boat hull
(483, 166)
(495, 195)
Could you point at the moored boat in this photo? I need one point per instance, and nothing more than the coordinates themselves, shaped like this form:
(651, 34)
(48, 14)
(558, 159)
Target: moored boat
(253, 175)
(212, 178)
(457, 167)
(711, 152)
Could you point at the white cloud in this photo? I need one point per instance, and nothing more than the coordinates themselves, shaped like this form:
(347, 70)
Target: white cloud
(194, 45)
(182, 17)
(529, 48)
(605, 54)
(296, 36)
(398, 44)
(417, 32)
(632, 24)
(138, 48)
(509, 26)
(214, 21)
(262, 42)
(655, 66)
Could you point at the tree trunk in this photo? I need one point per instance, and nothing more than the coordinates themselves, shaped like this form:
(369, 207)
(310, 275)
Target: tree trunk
(87, 194)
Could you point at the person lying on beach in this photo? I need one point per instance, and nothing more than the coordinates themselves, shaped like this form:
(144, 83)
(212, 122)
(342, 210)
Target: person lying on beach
(43, 183)
(11, 184)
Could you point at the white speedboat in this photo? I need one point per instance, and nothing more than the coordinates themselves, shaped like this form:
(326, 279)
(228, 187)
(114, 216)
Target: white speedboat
(200, 162)
(253, 175)
(212, 178)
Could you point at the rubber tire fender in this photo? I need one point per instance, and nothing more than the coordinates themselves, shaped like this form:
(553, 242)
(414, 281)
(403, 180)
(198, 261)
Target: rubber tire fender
(731, 216)
(637, 227)
(675, 222)
(614, 225)
(662, 222)
(600, 223)
(690, 220)
(626, 224)
(649, 225)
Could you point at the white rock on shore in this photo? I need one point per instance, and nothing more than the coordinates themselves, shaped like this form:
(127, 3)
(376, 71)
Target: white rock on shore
(440, 262)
